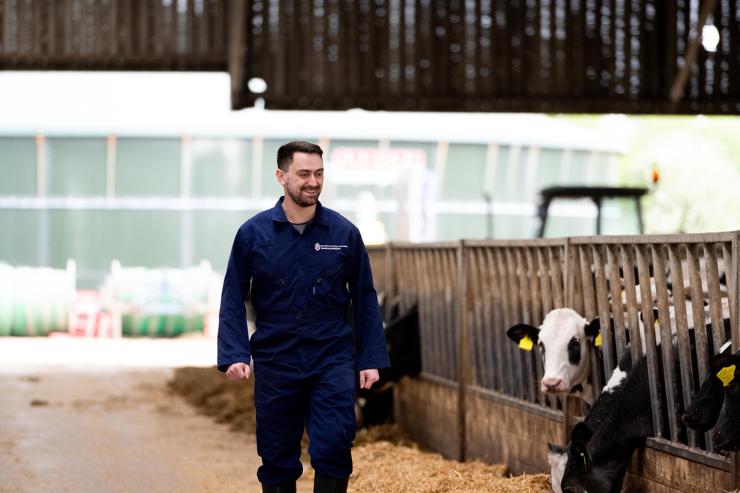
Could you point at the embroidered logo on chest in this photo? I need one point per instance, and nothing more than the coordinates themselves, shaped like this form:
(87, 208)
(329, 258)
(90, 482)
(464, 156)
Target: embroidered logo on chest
(319, 247)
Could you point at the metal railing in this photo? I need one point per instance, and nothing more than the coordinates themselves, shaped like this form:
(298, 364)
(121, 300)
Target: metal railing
(689, 281)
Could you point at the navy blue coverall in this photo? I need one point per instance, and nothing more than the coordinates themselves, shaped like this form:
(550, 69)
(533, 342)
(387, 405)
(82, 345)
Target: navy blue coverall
(306, 357)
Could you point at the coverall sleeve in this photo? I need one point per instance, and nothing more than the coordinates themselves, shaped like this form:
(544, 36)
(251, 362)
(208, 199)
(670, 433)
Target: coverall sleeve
(233, 337)
(369, 335)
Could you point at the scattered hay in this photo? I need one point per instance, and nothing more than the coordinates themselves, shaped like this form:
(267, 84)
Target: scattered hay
(214, 395)
(385, 459)
(385, 467)
(209, 391)
(383, 433)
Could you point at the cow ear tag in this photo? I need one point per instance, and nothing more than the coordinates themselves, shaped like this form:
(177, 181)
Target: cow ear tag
(726, 375)
(598, 342)
(526, 343)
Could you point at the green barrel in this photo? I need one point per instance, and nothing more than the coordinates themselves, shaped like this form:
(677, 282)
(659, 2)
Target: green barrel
(34, 301)
(159, 302)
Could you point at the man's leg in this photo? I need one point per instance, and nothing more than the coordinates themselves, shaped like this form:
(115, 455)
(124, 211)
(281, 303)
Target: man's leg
(331, 427)
(280, 400)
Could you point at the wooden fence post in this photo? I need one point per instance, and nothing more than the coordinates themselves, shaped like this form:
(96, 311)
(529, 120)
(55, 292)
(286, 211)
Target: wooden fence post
(463, 374)
(569, 402)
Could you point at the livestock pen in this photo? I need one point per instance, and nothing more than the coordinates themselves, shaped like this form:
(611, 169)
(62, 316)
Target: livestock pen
(478, 395)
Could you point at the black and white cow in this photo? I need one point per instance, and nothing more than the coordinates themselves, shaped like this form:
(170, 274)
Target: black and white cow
(404, 349)
(597, 457)
(718, 402)
(602, 408)
(705, 406)
(565, 340)
(690, 323)
(726, 435)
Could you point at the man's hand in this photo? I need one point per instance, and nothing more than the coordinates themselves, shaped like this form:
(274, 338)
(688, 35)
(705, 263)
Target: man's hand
(237, 371)
(368, 378)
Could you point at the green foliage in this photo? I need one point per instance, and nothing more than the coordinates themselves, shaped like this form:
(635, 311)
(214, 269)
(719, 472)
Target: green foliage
(698, 159)
(699, 166)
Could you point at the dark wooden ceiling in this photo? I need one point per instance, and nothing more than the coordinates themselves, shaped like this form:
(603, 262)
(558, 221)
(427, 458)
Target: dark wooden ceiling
(114, 35)
(572, 56)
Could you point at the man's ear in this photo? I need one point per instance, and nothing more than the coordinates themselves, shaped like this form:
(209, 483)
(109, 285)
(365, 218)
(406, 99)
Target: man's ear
(280, 175)
(520, 331)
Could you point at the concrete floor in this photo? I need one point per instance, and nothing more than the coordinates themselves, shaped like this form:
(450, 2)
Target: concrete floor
(91, 415)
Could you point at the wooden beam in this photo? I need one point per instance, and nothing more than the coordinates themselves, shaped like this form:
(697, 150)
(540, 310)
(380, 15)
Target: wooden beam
(238, 52)
(679, 83)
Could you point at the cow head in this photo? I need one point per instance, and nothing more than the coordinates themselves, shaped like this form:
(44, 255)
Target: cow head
(564, 340)
(726, 369)
(586, 474)
(703, 412)
(404, 345)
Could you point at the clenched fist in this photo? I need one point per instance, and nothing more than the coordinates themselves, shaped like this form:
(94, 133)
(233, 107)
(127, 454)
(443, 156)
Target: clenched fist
(368, 378)
(237, 371)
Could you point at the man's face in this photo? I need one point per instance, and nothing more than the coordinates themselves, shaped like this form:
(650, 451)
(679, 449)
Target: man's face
(303, 179)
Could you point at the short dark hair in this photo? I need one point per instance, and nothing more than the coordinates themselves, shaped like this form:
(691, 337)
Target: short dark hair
(286, 151)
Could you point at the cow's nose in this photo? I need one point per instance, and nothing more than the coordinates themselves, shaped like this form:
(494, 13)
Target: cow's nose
(551, 383)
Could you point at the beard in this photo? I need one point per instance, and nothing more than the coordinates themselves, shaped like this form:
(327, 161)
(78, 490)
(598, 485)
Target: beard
(302, 200)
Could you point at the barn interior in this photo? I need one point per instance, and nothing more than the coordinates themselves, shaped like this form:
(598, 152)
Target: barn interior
(501, 159)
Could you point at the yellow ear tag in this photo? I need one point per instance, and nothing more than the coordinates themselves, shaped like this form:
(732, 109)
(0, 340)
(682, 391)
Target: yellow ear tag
(598, 341)
(526, 343)
(726, 375)
(656, 324)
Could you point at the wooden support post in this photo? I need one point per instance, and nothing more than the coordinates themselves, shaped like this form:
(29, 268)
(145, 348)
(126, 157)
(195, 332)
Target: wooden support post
(679, 83)
(463, 374)
(238, 52)
(569, 402)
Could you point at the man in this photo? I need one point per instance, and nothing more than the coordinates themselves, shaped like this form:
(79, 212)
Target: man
(301, 264)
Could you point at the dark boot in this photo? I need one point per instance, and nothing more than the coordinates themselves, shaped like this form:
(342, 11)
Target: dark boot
(283, 488)
(325, 484)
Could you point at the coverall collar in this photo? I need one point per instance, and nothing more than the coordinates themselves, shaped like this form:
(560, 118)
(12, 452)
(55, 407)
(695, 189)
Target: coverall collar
(278, 214)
